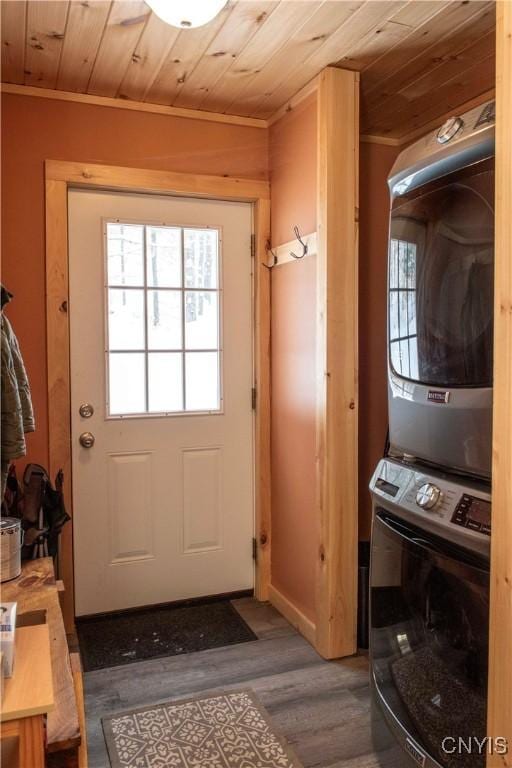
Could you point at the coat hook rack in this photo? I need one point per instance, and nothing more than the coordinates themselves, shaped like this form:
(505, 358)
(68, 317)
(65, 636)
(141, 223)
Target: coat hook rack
(301, 241)
(268, 249)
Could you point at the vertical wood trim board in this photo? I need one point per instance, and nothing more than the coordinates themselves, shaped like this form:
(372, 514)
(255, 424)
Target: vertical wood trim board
(59, 176)
(500, 648)
(262, 374)
(59, 391)
(337, 362)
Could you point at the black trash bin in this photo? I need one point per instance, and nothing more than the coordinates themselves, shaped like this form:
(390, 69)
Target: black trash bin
(363, 594)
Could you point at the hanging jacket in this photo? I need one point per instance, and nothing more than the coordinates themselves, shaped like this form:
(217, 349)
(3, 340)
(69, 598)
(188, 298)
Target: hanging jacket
(17, 412)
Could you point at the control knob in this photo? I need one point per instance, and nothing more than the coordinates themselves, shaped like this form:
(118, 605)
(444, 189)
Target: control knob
(449, 129)
(427, 496)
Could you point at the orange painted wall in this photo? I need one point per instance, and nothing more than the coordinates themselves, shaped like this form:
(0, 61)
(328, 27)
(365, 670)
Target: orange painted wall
(375, 163)
(292, 148)
(35, 129)
(294, 521)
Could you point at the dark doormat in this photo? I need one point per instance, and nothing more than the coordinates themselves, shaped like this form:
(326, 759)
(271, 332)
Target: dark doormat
(149, 633)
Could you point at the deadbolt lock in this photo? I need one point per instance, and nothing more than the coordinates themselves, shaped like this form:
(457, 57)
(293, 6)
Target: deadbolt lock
(86, 410)
(86, 439)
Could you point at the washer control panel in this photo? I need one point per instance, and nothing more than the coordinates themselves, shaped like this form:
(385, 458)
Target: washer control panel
(473, 513)
(446, 505)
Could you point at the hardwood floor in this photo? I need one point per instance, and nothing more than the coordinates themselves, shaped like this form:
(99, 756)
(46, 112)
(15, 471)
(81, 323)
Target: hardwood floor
(323, 708)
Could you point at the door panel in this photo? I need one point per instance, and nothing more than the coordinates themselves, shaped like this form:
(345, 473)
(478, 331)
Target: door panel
(130, 506)
(161, 347)
(201, 502)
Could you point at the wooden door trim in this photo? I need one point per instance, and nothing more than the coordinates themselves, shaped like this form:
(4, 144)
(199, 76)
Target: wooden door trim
(59, 176)
(337, 361)
(499, 709)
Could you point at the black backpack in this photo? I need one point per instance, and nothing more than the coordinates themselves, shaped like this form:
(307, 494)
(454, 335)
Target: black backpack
(40, 507)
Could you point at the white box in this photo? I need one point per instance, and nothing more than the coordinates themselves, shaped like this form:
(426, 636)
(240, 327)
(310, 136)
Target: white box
(7, 636)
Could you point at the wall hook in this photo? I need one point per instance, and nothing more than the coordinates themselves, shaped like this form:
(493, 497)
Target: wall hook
(272, 253)
(301, 241)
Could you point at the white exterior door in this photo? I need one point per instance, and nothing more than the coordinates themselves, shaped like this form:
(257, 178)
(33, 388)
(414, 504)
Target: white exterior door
(161, 354)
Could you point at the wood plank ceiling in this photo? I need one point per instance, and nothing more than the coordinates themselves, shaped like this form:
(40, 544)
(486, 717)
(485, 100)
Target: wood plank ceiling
(418, 58)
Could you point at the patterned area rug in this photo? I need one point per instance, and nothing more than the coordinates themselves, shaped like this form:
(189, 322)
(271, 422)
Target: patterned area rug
(227, 730)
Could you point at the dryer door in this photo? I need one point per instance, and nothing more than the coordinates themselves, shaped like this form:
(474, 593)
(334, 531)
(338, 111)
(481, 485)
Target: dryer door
(441, 263)
(429, 640)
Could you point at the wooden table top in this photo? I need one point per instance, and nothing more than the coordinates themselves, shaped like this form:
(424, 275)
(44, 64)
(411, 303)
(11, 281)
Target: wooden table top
(30, 689)
(35, 590)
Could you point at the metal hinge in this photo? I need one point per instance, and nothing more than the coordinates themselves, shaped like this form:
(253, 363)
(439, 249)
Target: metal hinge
(253, 246)
(254, 549)
(253, 398)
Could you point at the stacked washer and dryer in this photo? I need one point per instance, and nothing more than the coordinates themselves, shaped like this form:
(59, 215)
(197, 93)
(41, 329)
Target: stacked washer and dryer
(429, 582)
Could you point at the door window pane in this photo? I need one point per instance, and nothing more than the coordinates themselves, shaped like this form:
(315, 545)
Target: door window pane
(201, 258)
(125, 319)
(411, 311)
(411, 266)
(126, 383)
(125, 254)
(394, 329)
(402, 264)
(403, 346)
(404, 323)
(395, 356)
(165, 382)
(164, 320)
(201, 320)
(164, 257)
(202, 381)
(404, 357)
(393, 264)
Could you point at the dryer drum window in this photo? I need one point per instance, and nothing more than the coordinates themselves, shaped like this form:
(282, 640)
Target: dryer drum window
(441, 264)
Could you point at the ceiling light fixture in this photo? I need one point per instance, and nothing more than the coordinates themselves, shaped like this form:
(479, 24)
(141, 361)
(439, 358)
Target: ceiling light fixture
(186, 14)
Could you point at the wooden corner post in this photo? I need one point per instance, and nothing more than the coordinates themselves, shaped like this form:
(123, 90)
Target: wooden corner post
(337, 361)
(500, 644)
(262, 381)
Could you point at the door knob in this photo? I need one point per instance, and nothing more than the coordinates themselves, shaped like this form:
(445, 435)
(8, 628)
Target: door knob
(86, 439)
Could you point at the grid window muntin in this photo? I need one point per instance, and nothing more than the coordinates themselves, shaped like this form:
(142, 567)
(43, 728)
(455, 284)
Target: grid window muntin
(182, 290)
(402, 283)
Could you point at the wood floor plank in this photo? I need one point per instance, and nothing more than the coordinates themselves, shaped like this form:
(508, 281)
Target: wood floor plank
(263, 618)
(321, 707)
(209, 668)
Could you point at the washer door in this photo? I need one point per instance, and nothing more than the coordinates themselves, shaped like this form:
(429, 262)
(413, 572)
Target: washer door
(429, 640)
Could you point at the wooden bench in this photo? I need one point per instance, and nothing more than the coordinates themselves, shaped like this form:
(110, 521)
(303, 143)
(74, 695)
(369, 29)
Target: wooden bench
(36, 590)
(27, 699)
